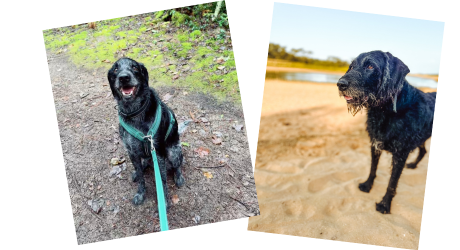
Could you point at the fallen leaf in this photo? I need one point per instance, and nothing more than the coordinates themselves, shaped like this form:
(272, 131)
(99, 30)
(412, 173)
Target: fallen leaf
(216, 140)
(185, 144)
(208, 175)
(116, 161)
(220, 60)
(221, 67)
(175, 77)
(202, 152)
(175, 199)
(223, 160)
(106, 61)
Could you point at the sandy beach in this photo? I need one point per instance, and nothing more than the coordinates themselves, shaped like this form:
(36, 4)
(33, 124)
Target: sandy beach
(311, 156)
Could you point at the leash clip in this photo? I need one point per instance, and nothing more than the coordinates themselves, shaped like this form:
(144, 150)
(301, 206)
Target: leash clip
(149, 137)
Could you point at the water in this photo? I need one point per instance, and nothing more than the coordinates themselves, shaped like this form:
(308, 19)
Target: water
(332, 78)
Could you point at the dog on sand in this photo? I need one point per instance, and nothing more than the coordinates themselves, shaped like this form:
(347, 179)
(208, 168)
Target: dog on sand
(399, 116)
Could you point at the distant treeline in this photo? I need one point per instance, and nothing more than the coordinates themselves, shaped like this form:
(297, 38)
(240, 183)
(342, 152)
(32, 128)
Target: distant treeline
(276, 51)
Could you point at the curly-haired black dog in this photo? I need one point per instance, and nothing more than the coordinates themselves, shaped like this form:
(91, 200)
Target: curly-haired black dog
(399, 116)
(137, 105)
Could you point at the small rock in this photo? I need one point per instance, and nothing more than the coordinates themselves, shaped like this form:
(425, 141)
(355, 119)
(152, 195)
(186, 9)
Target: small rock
(115, 170)
(238, 127)
(197, 219)
(202, 132)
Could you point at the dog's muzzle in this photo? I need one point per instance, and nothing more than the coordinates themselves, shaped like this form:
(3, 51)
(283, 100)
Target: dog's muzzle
(342, 84)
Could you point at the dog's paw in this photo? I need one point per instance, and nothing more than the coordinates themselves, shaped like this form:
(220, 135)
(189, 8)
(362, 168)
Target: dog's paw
(365, 187)
(383, 207)
(138, 199)
(411, 165)
(179, 179)
(134, 177)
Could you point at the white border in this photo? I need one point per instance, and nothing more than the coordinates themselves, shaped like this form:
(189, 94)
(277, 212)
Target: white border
(36, 210)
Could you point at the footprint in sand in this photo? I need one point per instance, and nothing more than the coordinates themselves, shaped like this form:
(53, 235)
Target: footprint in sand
(293, 166)
(298, 207)
(331, 180)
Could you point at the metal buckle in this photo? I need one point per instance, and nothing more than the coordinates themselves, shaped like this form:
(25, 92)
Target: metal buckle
(149, 137)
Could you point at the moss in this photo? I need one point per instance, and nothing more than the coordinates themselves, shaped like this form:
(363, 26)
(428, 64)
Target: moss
(203, 64)
(230, 63)
(201, 51)
(178, 18)
(185, 49)
(159, 13)
(183, 37)
(112, 28)
(121, 34)
(195, 34)
(98, 49)
(104, 32)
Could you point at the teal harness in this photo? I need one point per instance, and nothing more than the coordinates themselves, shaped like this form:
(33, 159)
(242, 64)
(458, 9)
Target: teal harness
(149, 138)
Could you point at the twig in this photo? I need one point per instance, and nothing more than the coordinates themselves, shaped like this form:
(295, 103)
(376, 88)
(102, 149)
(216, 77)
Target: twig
(97, 216)
(240, 202)
(213, 166)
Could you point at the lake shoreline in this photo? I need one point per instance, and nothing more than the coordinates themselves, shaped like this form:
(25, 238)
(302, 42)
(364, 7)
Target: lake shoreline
(306, 70)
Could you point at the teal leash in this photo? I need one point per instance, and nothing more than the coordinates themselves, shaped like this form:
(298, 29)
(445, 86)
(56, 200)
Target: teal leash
(158, 182)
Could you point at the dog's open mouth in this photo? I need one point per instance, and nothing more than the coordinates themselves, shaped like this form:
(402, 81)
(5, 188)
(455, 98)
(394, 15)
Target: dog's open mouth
(351, 99)
(128, 91)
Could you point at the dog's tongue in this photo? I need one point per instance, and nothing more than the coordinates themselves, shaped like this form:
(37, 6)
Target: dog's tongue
(127, 90)
(348, 97)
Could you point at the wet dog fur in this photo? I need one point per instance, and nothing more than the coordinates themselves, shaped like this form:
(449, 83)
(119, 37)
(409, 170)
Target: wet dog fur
(399, 116)
(129, 82)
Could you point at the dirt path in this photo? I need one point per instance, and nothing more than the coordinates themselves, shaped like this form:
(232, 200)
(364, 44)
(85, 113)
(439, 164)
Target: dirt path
(101, 202)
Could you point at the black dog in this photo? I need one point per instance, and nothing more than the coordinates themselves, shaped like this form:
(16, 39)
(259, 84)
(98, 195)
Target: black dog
(399, 116)
(137, 105)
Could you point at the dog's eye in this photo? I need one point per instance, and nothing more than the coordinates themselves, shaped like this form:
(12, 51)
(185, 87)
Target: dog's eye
(135, 69)
(370, 67)
(115, 71)
(351, 67)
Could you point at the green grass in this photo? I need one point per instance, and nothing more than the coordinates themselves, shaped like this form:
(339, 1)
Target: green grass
(289, 64)
(101, 47)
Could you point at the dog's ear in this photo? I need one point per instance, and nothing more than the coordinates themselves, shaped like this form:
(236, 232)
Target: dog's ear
(144, 73)
(111, 77)
(394, 74)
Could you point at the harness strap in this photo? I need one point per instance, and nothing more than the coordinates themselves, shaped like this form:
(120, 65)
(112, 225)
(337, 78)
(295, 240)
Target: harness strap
(171, 124)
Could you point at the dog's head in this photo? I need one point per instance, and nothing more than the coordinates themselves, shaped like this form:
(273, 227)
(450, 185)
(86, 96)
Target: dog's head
(373, 79)
(127, 79)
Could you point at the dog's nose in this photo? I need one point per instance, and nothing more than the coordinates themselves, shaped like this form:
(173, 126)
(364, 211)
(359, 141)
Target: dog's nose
(342, 84)
(124, 78)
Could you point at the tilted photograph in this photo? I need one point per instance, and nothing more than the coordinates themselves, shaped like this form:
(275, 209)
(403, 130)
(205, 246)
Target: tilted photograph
(346, 125)
(151, 122)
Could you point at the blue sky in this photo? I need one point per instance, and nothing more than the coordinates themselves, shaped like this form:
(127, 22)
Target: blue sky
(346, 34)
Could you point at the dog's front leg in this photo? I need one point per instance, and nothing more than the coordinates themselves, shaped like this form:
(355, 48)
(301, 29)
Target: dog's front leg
(399, 160)
(367, 185)
(139, 178)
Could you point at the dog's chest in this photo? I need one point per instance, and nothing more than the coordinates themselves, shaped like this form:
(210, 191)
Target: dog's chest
(133, 145)
(381, 131)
